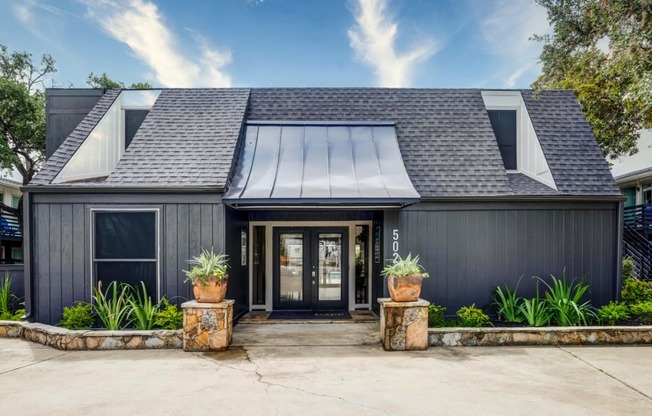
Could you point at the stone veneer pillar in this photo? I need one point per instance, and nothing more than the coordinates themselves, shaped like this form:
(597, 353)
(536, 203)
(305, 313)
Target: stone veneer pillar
(207, 326)
(403, 325)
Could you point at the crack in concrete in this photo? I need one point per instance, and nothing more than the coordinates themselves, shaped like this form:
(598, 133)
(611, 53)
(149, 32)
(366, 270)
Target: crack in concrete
(629, 386)
(33, 364)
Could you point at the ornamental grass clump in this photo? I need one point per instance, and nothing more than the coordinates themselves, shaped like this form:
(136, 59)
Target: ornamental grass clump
(508, 303)
(403, 267)
(565, 302)
(9, 301)
(142, 309)
(206, 267)
(112, 306)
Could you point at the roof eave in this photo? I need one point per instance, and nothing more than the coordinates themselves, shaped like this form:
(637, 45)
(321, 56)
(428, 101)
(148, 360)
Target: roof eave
(122, 189)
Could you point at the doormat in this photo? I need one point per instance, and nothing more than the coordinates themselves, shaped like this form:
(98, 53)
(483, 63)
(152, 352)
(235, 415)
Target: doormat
(310, 315)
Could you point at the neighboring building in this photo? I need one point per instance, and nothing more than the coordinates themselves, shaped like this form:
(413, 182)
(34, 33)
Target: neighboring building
(11, 236)
(311, 191)
(633, 174)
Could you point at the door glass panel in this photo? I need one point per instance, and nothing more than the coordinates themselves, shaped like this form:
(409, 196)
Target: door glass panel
(258, 265)
(291, 261)
(330, 267)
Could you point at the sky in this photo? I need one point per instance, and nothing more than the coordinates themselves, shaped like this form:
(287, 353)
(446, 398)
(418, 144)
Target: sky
(282, 43)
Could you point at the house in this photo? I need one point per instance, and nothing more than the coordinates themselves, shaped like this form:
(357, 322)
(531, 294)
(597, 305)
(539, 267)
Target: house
(633, 174)
(11, 238)
(310, 191)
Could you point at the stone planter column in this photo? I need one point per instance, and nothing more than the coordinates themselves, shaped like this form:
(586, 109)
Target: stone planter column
(403, 325)
(207, 326)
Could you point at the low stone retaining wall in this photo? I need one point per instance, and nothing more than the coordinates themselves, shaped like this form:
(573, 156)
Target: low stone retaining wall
(67, 340)
(589, 335)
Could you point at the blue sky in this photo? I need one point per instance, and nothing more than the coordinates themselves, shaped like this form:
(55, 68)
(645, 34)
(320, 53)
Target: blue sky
(257, 43)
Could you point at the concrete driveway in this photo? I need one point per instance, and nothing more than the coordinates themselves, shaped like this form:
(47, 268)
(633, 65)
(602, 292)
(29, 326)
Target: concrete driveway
(337, 370)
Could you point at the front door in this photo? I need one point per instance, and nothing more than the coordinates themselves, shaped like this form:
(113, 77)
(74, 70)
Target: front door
(310, 268)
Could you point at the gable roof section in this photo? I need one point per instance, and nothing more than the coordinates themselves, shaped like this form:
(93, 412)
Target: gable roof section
(573, 155)
(60, 157)
(445, 137)
(188, 139)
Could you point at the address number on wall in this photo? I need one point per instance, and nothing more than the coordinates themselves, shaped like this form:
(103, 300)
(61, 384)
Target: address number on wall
(395, 255)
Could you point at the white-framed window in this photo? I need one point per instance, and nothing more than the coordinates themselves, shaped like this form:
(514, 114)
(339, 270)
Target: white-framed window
(125, 247)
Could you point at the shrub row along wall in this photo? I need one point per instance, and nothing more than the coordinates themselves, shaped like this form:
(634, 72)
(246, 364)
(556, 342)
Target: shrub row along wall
(67, 340)
(489, 337)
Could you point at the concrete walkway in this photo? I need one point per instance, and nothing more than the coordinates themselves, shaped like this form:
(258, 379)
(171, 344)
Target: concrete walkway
(271, 370)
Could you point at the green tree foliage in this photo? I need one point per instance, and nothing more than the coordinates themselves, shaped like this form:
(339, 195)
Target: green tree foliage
(602, 50)
(22, 111)
(103, 81)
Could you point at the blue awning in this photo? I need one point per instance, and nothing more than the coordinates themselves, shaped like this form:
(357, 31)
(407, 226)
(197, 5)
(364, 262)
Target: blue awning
(324, 163)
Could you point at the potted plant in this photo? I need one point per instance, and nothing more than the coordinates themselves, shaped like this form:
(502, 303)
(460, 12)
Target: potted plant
(404, 278)
(208, 276)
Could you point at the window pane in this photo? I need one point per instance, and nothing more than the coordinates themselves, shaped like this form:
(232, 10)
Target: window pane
(330, 266)
(509, 157)
(132, 272)
(125, 235)
(361, 264)
(291, 262)
(133, 120)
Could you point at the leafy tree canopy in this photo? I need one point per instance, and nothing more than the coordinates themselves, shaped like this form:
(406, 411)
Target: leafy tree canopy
(103, 81)
(602, 50)
(22, 111)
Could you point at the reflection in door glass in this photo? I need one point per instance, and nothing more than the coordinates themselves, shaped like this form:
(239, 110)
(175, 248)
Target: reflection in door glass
(361, 266)
(291, 261)
(330, 267)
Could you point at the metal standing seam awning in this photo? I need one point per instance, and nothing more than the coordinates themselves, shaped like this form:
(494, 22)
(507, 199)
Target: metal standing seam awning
(299, 163)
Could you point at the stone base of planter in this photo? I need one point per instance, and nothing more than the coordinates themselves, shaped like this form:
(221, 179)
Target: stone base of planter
(67, 340)
(403, 325)
(587, 335)
(207, 326)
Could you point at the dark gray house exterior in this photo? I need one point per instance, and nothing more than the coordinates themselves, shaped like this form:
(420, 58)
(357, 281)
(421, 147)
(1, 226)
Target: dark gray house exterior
(311, 191)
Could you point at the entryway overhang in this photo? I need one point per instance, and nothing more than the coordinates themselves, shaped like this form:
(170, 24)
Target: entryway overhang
(320, 164)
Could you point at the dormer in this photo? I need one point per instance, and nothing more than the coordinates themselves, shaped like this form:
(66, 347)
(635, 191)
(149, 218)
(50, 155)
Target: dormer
(517, 141)
(98, 156)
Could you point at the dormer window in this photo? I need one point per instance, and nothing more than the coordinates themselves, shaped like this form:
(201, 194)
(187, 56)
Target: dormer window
(503, 123)
(100, 152)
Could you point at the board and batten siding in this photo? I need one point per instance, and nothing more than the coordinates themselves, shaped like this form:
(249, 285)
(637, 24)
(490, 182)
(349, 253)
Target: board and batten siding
(61, 263)
(469, 249)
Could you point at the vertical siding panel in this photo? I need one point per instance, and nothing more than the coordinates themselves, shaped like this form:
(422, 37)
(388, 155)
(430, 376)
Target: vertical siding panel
(216, 225)
(183, 243)
(424, 248)
(170, 256)
(439, 245)
(43, 258)
(67, 281)
(55, 262)
(205, 225)
(79, 276)
(88, 250)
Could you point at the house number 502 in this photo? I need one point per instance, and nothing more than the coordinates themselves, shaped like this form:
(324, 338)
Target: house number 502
(395, 255)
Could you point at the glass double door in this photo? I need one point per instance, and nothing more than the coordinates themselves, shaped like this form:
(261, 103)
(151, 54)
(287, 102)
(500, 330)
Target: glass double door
(310, 268)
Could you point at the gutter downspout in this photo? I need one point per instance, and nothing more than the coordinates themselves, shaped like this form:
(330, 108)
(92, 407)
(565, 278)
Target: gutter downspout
(619, 250)
(27, 253)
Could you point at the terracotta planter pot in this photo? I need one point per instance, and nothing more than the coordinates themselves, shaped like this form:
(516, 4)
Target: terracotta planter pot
(213, 292)
(405, 288)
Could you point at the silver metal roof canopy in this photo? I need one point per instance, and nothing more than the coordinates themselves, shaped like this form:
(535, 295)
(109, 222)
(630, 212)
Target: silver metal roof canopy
(286, 163)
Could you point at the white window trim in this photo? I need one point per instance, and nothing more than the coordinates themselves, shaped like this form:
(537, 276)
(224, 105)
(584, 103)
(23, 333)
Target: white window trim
(157, 211)
(269, 259)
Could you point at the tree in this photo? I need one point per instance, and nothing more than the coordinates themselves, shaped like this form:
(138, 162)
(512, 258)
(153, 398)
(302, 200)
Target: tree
(602, 50)
(103, 81)
(22, 111)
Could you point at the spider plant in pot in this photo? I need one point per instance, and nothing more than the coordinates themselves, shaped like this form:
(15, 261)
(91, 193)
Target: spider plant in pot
(208, 276)
(404, 278)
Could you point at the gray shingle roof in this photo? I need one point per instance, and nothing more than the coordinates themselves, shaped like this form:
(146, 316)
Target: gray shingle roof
(573, 155)
(187, 139)
(445, 137)
(57, 161)
(448, 146)
(524, 185)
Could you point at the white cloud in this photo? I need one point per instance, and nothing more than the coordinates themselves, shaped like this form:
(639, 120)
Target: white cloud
(506, 28)
(140, 25)
(373, 40)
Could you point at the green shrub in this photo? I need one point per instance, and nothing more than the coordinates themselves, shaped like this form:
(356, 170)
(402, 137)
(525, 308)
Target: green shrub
(636, 291)
(627, 268)
(536, 311)
(168, 316)
(643, 311)
(111, 306)
(565, 302)
(508, 304)
(470, 316)
(613, 312)
(435, 315)
(8, 301)
(79, 316)
(142, 309)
